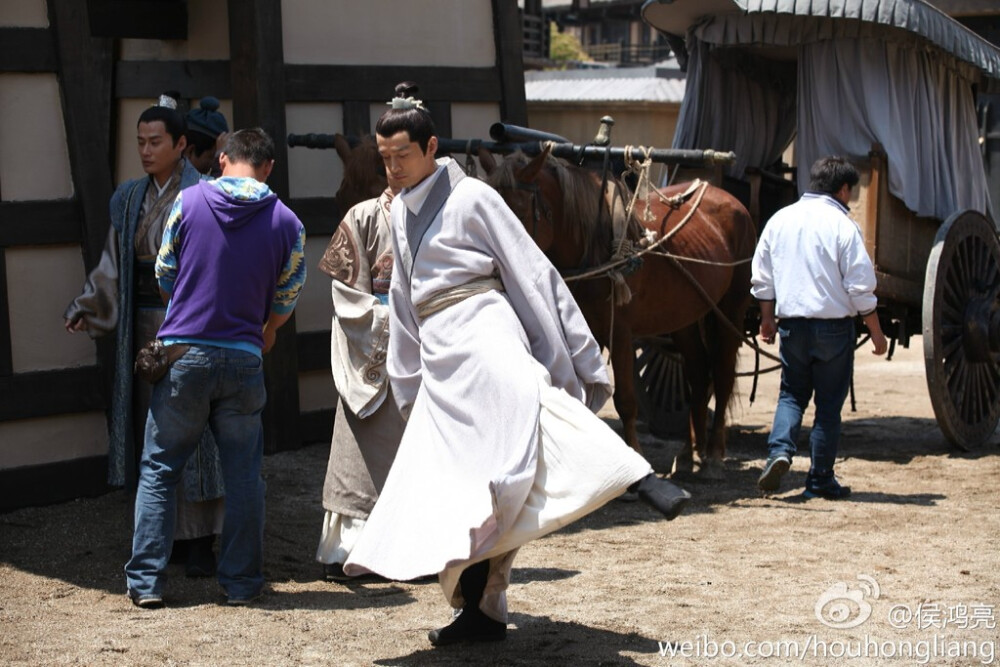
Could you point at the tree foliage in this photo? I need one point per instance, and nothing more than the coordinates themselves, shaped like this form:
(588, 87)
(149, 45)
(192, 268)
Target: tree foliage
(564, 47)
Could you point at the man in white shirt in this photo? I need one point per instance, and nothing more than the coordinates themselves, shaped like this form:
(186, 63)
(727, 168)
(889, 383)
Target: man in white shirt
(811, 271)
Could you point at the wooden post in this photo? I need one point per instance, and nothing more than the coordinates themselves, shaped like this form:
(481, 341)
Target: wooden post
(258, 73)
(86, 70)
(509, 41)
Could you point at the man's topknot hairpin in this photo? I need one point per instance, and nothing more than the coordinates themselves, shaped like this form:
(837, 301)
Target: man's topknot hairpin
(406, 103)
(167, 101)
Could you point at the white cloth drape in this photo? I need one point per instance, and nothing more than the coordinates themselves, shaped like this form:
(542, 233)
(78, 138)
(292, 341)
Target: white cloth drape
(854, 93)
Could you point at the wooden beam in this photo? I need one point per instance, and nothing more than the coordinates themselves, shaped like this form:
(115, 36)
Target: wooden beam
(320, 215)
(258, 94)
(43, 222)
(357, 118)
(32, 486)
(314, 350)
(319, 83)
(47, 393)
(27, 50)
(6, 354)
(191, 78)
(317, 426)
(85, 82)
(509, 41)
(138, 19)
(441, 113)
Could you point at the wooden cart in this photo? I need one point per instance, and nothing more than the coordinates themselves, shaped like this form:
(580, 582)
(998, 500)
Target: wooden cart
(938, 275)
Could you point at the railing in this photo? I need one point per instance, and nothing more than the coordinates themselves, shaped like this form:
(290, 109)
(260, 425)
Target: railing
(535, 34)
(628, 54)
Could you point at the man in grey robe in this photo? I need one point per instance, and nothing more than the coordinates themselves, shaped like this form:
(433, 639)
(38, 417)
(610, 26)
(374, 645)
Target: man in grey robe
(498, 376)
(367, 426)
(120, 295)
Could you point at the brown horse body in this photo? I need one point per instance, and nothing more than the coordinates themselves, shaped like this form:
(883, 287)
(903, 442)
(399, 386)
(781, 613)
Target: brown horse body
(364, 172)
(559, 204)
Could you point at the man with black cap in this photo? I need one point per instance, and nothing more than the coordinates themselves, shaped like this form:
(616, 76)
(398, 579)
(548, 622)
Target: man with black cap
(206, 132)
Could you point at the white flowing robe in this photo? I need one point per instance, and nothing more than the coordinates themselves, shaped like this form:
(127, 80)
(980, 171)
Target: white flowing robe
(500, 446)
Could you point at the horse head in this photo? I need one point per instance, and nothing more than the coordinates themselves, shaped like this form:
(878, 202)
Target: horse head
(531, 191)
(562, 207)
(364, 171)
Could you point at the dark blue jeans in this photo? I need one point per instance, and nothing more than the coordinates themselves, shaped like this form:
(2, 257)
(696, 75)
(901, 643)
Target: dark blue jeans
(817, 357)
(223, 389)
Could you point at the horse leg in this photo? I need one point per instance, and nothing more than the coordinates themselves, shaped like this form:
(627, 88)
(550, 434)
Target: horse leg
(725, 351)
(622, 363)
(689, 343)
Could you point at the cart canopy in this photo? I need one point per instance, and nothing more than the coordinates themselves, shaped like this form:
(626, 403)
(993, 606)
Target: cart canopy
(838, 76)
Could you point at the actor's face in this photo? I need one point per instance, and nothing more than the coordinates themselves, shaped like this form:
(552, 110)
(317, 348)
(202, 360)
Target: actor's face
(157, 150)
(405, 164)
(203, 161)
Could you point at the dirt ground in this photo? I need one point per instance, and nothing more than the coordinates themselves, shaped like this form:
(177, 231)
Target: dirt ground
(736, 580)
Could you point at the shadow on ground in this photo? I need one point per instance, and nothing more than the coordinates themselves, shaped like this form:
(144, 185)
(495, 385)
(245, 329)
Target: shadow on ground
(536, 640)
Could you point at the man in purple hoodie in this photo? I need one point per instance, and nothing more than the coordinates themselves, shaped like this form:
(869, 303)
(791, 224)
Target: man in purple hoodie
(232, 266)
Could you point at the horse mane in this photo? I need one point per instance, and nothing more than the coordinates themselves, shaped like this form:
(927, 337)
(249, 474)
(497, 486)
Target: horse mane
(364, 175)
(581, 204)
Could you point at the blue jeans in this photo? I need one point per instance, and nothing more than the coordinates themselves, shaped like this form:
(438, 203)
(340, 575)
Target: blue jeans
(223, 389)
(817, 356)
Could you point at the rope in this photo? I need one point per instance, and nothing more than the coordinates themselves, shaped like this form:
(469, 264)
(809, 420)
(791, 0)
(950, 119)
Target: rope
(604, 269)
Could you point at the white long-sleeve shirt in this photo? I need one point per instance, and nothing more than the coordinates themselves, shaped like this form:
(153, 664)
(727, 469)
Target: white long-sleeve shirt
(811, 261)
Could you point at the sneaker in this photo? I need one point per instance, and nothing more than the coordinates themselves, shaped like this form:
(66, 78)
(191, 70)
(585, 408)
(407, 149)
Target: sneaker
(147, 601)
(774, 469)
(830, 490)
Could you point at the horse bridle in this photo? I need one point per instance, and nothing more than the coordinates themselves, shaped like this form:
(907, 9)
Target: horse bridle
(538, 207)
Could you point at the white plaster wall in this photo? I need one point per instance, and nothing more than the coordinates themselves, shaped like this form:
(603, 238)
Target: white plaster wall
(314, 309)
(41, 281)
(23, 14)
(458, 33)
(316, 391)
(314, 172)
(34, 158)
(127, 163)
(29, 442)
(208, 37)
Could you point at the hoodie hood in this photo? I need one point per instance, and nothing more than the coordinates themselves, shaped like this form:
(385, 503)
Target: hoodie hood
(236, 200)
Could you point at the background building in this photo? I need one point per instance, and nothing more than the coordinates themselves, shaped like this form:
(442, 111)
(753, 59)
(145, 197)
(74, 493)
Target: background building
(74, 77)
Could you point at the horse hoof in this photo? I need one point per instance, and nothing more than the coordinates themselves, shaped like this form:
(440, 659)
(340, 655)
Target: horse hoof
(682, 466)
(712, 470)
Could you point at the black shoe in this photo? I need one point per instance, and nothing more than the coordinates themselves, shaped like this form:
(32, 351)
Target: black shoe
(334, 572)
(147, 601)
(200, 561)
(831, 490)
(663, 495)
(774, 470)
(472, 625)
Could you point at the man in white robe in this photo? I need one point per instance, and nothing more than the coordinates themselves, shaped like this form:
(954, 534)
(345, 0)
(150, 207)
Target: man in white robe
(496, 371)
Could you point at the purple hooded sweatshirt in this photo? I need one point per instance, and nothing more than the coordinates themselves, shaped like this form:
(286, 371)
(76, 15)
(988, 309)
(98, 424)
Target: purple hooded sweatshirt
(229, 258)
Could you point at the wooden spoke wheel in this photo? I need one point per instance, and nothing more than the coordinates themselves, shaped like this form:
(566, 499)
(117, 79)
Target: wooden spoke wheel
(961, 329)
(660, 386)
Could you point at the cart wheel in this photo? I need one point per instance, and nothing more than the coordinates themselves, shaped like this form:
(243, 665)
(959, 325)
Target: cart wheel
(961, 329)
(662, 391)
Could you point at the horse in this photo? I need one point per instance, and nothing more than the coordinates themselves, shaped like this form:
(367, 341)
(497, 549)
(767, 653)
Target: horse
(565, 212)
(364, 172)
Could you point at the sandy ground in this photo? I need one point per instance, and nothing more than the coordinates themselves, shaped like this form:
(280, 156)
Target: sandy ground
(911, 562)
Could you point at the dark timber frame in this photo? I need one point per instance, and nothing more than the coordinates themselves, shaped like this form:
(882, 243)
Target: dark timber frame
(259, 83)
